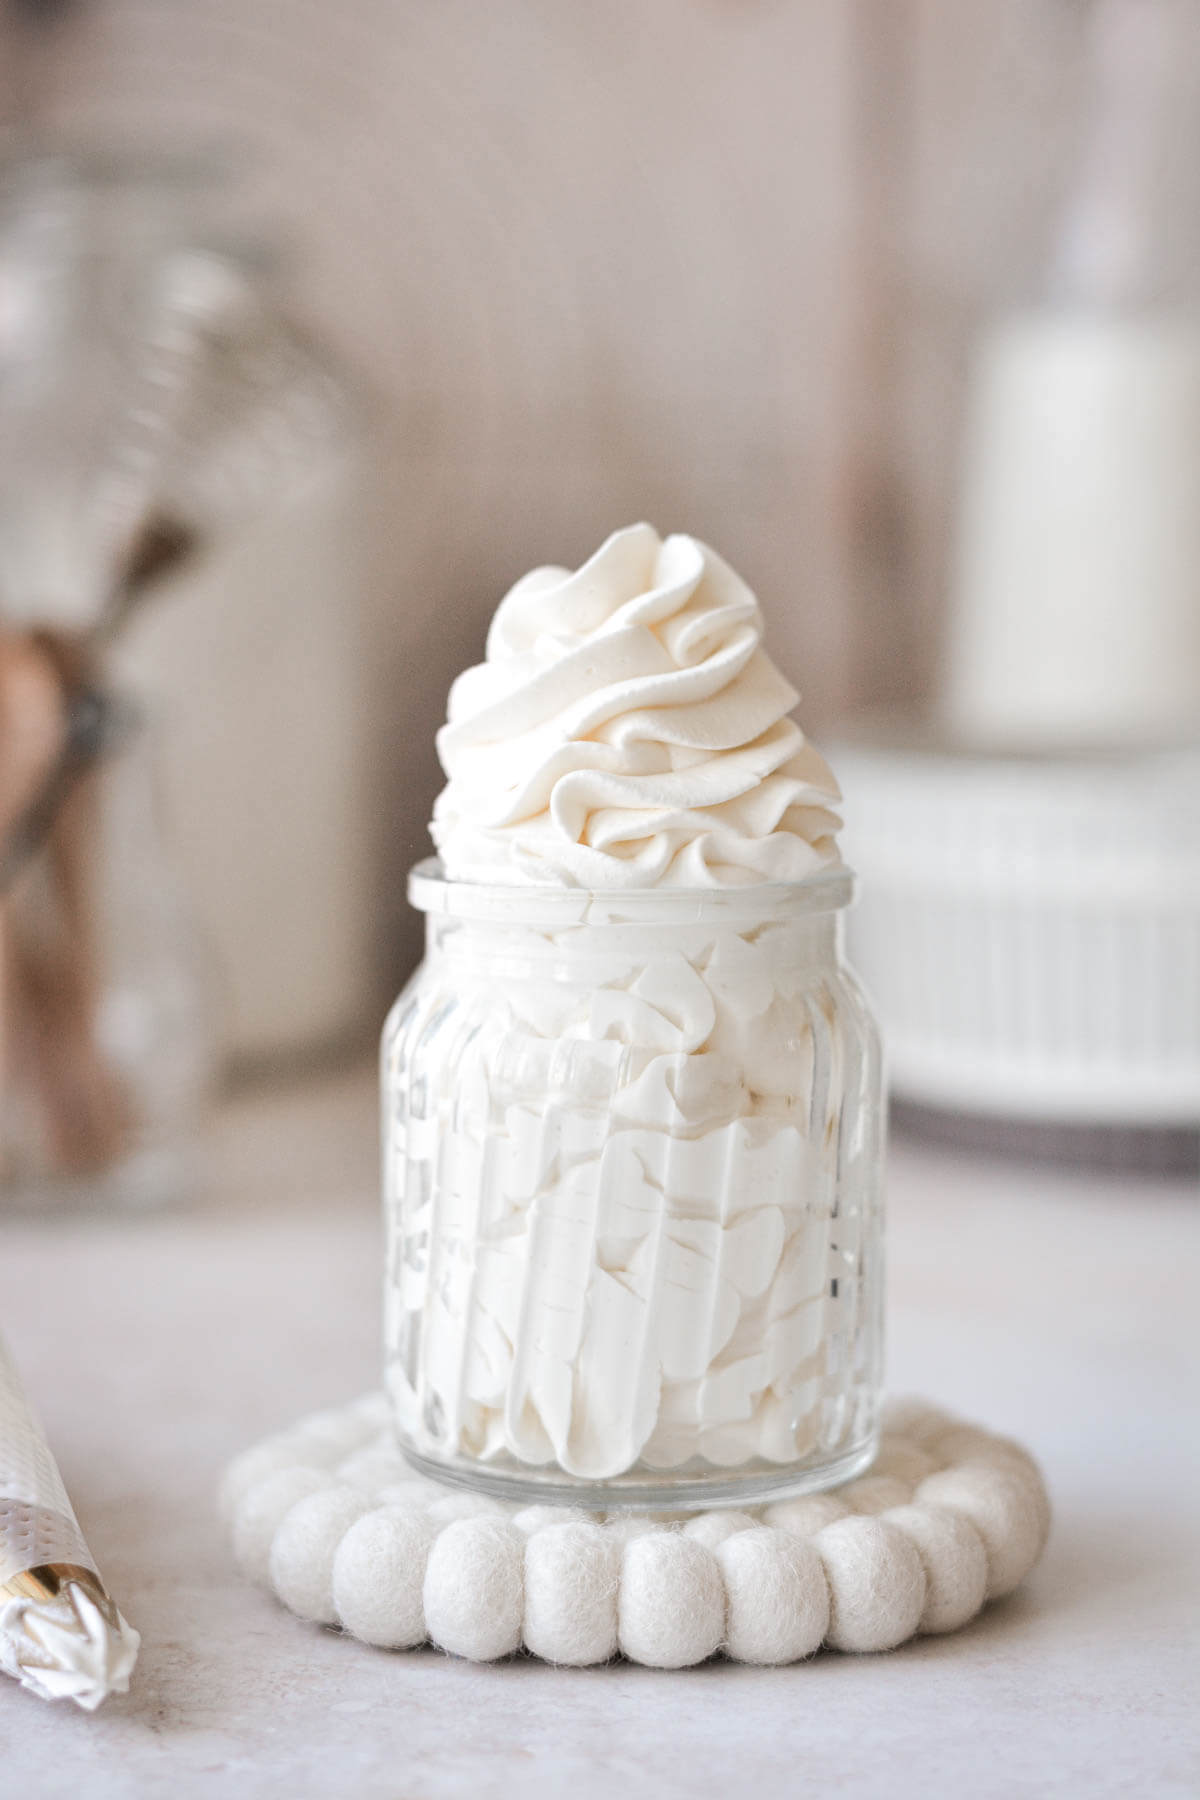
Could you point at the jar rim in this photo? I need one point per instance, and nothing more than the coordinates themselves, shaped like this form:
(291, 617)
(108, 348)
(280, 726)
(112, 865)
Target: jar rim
(431, 890)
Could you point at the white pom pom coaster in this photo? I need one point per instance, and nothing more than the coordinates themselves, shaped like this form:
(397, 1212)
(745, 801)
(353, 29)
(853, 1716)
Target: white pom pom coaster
(331, 1518)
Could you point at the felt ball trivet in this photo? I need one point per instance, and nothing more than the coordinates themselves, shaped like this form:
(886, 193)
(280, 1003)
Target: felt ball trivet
(330, 1517)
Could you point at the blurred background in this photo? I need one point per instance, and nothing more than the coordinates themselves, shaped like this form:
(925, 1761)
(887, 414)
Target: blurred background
(340, 318)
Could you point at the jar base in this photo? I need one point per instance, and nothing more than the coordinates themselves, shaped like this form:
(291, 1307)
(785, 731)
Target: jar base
(651, 1490)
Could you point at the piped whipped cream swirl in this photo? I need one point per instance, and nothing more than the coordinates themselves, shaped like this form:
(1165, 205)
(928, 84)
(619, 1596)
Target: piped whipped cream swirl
(627, 730)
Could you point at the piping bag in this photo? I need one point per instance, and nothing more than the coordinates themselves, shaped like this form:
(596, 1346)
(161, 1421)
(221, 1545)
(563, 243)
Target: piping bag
(60, 1634)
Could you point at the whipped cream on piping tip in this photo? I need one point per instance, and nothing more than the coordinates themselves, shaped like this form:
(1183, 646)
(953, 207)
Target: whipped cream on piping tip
(61, 1636)
(627, 730)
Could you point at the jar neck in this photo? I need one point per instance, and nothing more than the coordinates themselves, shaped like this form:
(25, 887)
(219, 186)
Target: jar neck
(601, 951)
(573, 935)
(555, 909)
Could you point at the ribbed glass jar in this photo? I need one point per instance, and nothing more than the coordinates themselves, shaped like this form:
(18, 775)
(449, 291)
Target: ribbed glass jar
(632, 1169)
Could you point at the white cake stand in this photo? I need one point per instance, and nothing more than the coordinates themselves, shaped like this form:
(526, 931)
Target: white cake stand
(1029, 927)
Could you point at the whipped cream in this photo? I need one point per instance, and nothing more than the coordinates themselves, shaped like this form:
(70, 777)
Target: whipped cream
(76, 1646)
(627, 730)
(631, 1099)
(629, 1170)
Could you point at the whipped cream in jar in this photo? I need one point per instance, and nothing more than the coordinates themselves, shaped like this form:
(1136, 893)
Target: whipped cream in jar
(633, 1111)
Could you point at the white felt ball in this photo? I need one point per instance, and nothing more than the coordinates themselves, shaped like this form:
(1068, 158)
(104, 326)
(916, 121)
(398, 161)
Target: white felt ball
(625, 1527)
(1038, 1491)
(915, 1420)
(449, 1507)
(954, 1560)
(379, 1578)
(373, 1411)
(807, 1514)
(252, 1467)
(329, 1435)
(713, 1528)
(411, 1492)
(257, 1515)
(541, 1518)
(875, 1493)
(958, 1442)
(302, 1552)
(474, 1588)
(333, 1517)
(968, 1444)
(777, 1598)
(1002, 1449)
(1006, 1446)
(308, 1452)
(372, 1469)
(876, 1583)
(1005, 1504)
(572, 1578)
(898, 1457)
(672, 1605)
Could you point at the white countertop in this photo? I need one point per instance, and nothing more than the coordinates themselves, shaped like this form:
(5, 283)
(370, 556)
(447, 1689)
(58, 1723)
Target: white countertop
(1062, 1309)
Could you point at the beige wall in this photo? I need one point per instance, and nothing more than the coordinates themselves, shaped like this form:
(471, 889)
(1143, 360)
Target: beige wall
(713, 262)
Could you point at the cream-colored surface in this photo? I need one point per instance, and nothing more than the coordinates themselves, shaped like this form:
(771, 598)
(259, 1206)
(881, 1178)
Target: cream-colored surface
(1066, 1320)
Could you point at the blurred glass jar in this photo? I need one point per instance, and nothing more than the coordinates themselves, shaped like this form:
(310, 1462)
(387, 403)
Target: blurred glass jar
(632, 1155)
(155, 401)
(106, 1019)
(152, 388)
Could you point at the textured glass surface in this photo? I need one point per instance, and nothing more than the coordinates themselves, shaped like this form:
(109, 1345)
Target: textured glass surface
(632, 1182)
(109, 1062)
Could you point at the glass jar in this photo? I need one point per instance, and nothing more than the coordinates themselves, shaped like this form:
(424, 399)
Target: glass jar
(106, 995)
(180, 494)
(632, 1162)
